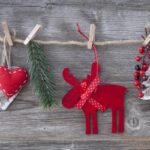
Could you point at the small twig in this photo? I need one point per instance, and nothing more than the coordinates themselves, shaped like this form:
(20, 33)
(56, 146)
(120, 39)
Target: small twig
(146, 32)
(142, 36)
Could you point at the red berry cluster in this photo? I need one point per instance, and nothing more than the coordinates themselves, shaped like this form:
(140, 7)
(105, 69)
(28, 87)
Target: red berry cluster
(141, 68)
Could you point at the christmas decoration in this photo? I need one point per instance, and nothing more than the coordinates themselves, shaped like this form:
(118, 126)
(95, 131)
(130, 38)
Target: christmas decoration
(12, 79)
(142, 71)
(90, 96)
(41, 75)
(11, 82)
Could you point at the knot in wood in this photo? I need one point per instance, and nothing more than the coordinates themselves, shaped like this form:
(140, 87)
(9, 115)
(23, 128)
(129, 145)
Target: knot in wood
(133, 122)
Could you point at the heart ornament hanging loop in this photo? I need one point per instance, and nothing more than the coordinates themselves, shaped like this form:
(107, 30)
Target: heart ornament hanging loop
(12, 79)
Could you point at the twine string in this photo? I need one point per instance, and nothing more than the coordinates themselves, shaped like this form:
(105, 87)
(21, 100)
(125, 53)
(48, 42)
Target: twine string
(6, 54)
(98, 43)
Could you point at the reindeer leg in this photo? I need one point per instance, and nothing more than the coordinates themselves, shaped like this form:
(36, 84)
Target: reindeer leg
(121, 121)
(87, 120)
(94, 121)
(114, 121)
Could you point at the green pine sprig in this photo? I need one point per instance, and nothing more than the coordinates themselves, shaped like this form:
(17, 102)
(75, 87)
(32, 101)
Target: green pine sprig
(41, 75)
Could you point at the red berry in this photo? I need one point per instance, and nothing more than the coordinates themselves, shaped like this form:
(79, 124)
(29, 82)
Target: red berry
(141, 50)
(136, 83)
(148, 54)
(138, 58)
(140, 94)
(136, 74)
(142, 72)
(144, 67)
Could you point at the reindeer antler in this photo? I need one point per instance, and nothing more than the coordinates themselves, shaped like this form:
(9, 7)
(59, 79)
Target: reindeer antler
(69, 77)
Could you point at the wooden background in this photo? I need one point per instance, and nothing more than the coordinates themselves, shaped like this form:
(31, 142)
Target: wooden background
(26, 125)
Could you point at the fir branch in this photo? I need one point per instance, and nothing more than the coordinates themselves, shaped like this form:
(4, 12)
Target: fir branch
(40, 75)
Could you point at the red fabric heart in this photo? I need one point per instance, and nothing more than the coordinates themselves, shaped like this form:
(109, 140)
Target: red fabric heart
(12, 80)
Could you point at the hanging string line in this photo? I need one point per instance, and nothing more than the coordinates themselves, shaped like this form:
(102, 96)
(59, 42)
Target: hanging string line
(6, 52)
(98, 43)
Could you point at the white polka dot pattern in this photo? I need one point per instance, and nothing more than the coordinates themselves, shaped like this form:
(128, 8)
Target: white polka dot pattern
(12, 72)
(97, 104)
(89, 90)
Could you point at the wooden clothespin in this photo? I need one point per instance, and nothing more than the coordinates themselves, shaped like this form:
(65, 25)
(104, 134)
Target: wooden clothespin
(32, 34)
(91, 36)
(147, 40)
(7, 33)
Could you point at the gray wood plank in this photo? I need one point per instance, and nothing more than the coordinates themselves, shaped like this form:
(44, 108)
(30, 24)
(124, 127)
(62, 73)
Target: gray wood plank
(26, 125)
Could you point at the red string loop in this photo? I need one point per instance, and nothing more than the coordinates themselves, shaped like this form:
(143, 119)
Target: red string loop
(93, 45)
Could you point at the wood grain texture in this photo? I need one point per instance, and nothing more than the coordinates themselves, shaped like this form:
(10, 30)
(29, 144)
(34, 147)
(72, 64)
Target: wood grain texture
(25, 125)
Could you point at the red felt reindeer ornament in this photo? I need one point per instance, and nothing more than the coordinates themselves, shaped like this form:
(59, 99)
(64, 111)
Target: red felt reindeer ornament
(90, 96)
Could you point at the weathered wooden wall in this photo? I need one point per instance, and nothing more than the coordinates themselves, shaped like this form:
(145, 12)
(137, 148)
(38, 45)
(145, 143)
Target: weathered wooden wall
(25, 125)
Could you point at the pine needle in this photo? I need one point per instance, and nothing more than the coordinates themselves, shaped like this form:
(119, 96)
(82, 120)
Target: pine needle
(41, 75)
